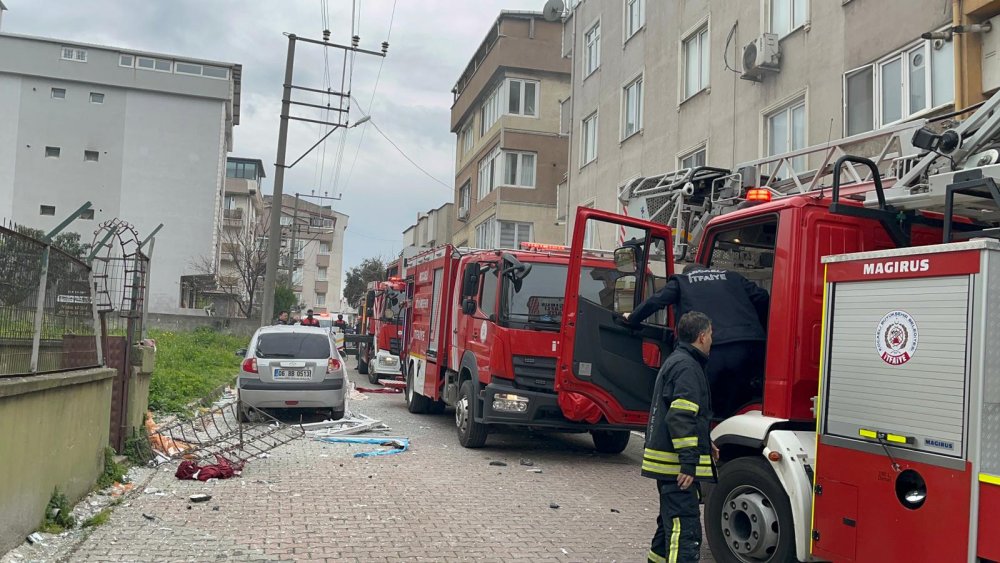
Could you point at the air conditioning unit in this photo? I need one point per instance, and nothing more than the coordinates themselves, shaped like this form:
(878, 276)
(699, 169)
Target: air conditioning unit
(761, 55)
(463, 214)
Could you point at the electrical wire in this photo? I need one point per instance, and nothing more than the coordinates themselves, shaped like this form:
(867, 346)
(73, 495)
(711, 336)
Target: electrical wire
(346, 79)
(413, 162)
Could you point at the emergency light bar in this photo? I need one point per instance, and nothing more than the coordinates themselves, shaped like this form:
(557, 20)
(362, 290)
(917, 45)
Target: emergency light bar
(759, 195)
(543, 246)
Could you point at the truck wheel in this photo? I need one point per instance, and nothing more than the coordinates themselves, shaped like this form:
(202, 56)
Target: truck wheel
(437, 407)
(610, 441)
(362, 361)
(471, 434)
(748, 517)
(415, 402)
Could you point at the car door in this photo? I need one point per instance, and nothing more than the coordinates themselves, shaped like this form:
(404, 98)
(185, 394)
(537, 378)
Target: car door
(609, 363)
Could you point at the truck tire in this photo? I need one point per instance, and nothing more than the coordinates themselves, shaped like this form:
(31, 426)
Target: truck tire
(748, 517)
(362, 360)
(610, 441)
(471, 434)
(437, 407)
(415, 402)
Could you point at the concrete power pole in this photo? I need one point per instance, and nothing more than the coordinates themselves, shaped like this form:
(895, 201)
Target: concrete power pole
(274, 229)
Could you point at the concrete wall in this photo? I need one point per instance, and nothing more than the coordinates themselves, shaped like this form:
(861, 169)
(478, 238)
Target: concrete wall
(53, 431)
(188, 323)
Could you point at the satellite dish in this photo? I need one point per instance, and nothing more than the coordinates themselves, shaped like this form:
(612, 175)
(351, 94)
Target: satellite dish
(553, 10)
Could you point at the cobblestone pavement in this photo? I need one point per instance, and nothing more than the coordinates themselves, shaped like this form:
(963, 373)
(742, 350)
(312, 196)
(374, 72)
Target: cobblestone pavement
(313, 501)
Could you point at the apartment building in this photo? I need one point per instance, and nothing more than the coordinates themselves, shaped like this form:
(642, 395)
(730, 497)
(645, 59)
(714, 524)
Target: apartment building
(143, 136)
(509, 153)
(318, 257)
(241, 254)
(433, 228)
(659, 86)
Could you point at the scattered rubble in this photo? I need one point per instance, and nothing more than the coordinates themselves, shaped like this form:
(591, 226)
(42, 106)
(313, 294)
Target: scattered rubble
(553, 505)
(398, 445)
(498, 464)
(527, 462)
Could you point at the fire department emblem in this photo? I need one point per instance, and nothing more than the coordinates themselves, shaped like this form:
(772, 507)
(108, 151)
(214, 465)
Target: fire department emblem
(896, 338)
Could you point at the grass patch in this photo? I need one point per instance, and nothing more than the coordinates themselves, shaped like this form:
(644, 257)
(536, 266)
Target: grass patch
(97, 519)
(113, 472)
(190, 365)
(58, 514)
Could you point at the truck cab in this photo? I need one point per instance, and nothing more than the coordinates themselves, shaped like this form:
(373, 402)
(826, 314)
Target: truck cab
(382, 323)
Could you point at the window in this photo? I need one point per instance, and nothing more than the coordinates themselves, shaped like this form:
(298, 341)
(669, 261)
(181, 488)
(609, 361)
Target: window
(200, 70)
(230, 202)
(321, 274)
(187, 68)
(324, 248)
(126, 60)
(245, 170)
(522, 97)
(486, 233)
(285, 221)
(47, 210)
(788, 15)
(513, 234)
(592, 49)
(565, 117)
(320, 222)
(635, 17)
(214, 71)
(490, 112)
(297, 277)
(467, 140)
(52, 152)
(693, 159)
(463, 197)
(91, 156)
(59, 93)
(632, 108)
(488, 173)
(321, 299)
(786, 131)
(96, 98)
(519, 169)
(488, 295)
(907, 82)
(74, 54)
(696, 62)
(748, 249)
(87, 214)
(588, 143)
(149, 63)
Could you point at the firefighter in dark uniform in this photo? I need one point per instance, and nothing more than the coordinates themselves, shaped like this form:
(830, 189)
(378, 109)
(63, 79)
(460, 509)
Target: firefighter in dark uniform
(738, 309)
(679, 451)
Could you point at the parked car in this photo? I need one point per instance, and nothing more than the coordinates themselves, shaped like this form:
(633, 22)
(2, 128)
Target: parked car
(293, 367)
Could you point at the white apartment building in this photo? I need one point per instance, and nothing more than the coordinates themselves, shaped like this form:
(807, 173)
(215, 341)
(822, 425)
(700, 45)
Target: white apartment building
(143, 136)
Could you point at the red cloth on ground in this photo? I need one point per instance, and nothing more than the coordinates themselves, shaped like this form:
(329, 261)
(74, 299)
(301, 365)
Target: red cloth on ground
(222, 469)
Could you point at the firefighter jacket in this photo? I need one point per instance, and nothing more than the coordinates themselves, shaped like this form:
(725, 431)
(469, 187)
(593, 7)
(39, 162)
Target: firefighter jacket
(736, 305)
(677, 438)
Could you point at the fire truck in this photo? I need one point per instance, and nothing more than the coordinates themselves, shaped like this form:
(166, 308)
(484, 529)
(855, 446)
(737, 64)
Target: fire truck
(484, 336)
(875, 435)
(381, 329)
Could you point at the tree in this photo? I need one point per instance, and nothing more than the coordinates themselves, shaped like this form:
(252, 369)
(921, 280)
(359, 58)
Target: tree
(356, 281)
(244, 253)
(284, 299)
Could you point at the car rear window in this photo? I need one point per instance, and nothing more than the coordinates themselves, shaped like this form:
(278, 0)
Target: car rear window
(285, 345)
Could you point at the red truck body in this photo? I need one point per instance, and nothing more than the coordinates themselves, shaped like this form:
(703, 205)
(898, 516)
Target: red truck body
(382, 322)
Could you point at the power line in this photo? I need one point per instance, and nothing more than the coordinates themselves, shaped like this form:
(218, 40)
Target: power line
(428, 174)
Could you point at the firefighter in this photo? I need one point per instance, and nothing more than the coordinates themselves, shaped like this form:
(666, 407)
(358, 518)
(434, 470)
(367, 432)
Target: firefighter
(678, 450)
(738, 308)
(341, 323)
(310, 320)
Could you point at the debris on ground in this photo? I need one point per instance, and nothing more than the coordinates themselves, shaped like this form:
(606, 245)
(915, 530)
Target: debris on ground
(119, 489)
(351, 424)
(35, 538)
(553, 505)
(201, 497)
(498, 464)
(534, 470)
(527, 462)
(148, 516)
(398, 445)
(221, 469)
(616, 511)
(378, 390)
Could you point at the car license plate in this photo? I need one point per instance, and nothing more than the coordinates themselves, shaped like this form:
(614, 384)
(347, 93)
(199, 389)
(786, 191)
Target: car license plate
(292, 374)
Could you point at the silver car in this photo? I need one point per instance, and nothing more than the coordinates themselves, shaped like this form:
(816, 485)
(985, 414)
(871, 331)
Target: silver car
(293, 367)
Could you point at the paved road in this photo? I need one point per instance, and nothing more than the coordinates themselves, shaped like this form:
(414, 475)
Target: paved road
(436, 502)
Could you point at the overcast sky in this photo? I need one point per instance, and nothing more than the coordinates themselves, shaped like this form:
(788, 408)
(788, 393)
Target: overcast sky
(431, 42)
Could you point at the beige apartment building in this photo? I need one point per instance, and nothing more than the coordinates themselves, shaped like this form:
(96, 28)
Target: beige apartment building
(659, 86)
(510, 155)
(319, 251)
(433, 228)
(240, 268)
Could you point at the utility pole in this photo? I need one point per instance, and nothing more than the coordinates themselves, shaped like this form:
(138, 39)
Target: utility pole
(277, 199)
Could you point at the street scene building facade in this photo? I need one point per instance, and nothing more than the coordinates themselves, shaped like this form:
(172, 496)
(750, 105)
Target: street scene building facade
(133, 132)
(659, 86)
(509, 154)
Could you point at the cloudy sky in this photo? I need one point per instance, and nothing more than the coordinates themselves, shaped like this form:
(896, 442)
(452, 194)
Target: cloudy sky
(431, 42)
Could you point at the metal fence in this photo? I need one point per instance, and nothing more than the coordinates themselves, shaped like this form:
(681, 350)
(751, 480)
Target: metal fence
(47, 316)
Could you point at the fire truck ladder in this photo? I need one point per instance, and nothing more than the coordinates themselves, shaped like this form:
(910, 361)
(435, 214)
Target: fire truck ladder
(688, 198)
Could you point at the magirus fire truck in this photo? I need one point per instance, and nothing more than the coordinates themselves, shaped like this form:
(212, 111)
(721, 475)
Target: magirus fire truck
(876, 433)
(484, 335)
(382, 329)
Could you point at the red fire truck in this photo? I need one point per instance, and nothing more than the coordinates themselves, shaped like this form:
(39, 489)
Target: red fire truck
(903, 463)
(484, 332)
(382, 329)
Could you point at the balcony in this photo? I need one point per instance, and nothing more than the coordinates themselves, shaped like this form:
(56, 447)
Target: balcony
(232, 217)
(320, 286)
(322, 260)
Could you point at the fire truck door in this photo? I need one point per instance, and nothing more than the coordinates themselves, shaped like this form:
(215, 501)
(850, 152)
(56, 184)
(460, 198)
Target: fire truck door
(602, 359)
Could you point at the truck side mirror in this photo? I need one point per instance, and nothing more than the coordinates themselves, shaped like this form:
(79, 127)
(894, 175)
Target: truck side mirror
(626, 260)
(469, 306)
(470, 280)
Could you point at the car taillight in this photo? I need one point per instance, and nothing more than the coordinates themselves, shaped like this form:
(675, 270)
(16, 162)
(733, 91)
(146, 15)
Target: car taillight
(333, 365)
(250, 365)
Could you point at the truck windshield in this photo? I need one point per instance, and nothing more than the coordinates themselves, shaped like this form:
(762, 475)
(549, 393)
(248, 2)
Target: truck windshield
(392, 306)
(537, 300)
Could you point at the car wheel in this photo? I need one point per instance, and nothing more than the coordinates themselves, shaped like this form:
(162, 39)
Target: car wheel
(610, 441)
(471, 434)
(336, 414)
(372, 377)
(415, 402)
(242, 415)
(748, 518)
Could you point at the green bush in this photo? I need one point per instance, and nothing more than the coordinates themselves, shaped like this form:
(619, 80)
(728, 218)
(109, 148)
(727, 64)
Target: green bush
(58, 514)
(113, 473)
(190, 365)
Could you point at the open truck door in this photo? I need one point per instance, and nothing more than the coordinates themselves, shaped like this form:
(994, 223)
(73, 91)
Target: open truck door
(601, 359)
